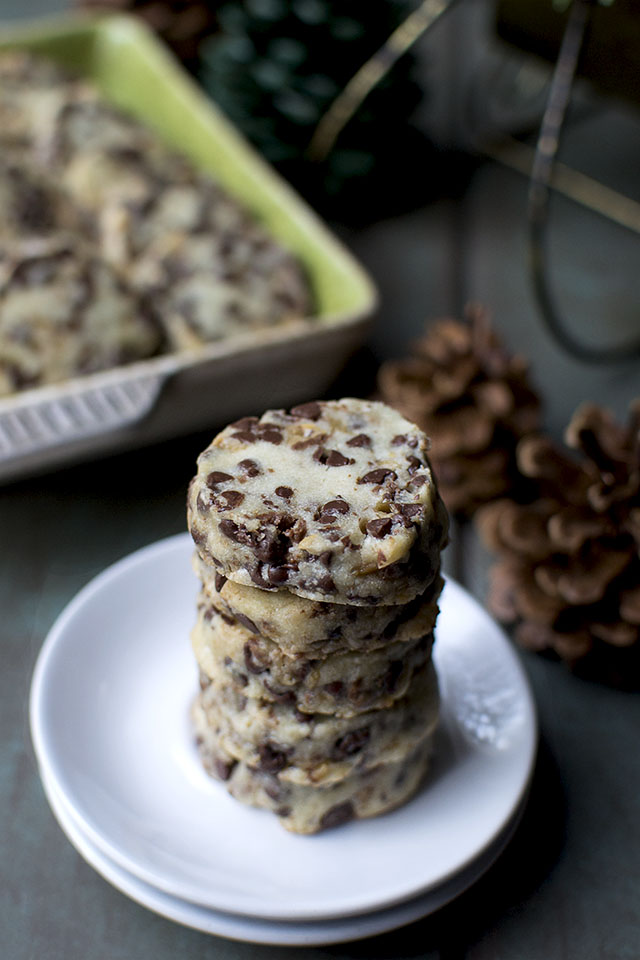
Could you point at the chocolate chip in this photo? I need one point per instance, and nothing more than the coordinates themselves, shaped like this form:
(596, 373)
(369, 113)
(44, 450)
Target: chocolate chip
(244, 435)
(224, 768)
(250, 467)
(219, 581)
(308, 411)
(246, 622)
(325, 558)
(414, 464)
(399, 439)
(326, 584)
(271, 436)
(216, 477)
(252, 660)
(272, 760)
(232, 498)
(379, 528)
(310, 441)
(335, 506)
(336, 816)
(334, 688)
(287, 697)
(362, 440)
(285, 492)
(229, 529)
(411, 510)
(278, 574)
(350, 743)
(258, 578)
(378, 476)
(337, 459)
(245, 424)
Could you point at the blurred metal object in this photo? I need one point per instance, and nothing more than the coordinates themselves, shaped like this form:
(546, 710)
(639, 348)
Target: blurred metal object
(590, 193)
(610, 51)
(370, 74)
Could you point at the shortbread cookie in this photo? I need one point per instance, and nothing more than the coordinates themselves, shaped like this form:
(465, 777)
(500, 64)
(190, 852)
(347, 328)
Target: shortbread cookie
(331, 501)
(63, 311)
(304, 809)
(316, 629)
(317, 748)
(341, 685)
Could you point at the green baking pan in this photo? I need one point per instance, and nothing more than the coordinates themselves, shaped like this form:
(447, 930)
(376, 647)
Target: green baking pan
(175, 393)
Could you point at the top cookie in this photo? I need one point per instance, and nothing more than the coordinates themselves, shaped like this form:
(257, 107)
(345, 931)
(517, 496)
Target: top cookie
(332, 501)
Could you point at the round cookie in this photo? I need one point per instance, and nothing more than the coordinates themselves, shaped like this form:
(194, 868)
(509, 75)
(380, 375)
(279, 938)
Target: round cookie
(304, 809)
(331, 501)
(317, 749)
(342, 685)
(312, 628)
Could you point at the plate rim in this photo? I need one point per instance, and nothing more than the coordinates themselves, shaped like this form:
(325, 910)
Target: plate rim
(177, 543)
(300, 933)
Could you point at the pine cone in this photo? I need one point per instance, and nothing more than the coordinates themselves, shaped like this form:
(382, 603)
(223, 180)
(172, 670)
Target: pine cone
(182, 24)
(474, 401)
(568, 576)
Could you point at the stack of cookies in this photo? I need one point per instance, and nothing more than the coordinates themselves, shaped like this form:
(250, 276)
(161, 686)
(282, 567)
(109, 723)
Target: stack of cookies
(318, 534)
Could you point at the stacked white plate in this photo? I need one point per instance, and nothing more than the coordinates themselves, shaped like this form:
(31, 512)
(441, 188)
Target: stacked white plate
(110, 703)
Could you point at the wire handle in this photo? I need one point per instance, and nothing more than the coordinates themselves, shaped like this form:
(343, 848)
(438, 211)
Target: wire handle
(540, 188)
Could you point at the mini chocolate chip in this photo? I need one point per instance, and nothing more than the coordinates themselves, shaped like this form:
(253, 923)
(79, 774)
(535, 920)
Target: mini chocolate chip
(399, 439)
(336, 816)
(250, 467)
(278, 574)
(414, 464)
(219, 581)
(283, 812)
(337, 459)
(336, 506)
(246, 622)
(326, 584)
(310, 441)
(229, 529)
(285, 492)
(308, 411)
(272, 760)
(417, 482)
(244, 435)
(287, 696)
(252, 660)
(216, 477)
(411, 510)
(362, 440)
(245, 424)
(378, 476)
(379, 528)
(224, 768)
(298, 531)
(271, 436)
(258, 578)
(350, 743)
(232, 498)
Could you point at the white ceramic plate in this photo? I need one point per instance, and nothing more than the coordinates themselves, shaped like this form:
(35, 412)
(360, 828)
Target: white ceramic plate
(109, 712)
(277, 933)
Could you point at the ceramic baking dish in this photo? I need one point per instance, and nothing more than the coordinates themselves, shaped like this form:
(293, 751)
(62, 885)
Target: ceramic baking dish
(176, 393)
